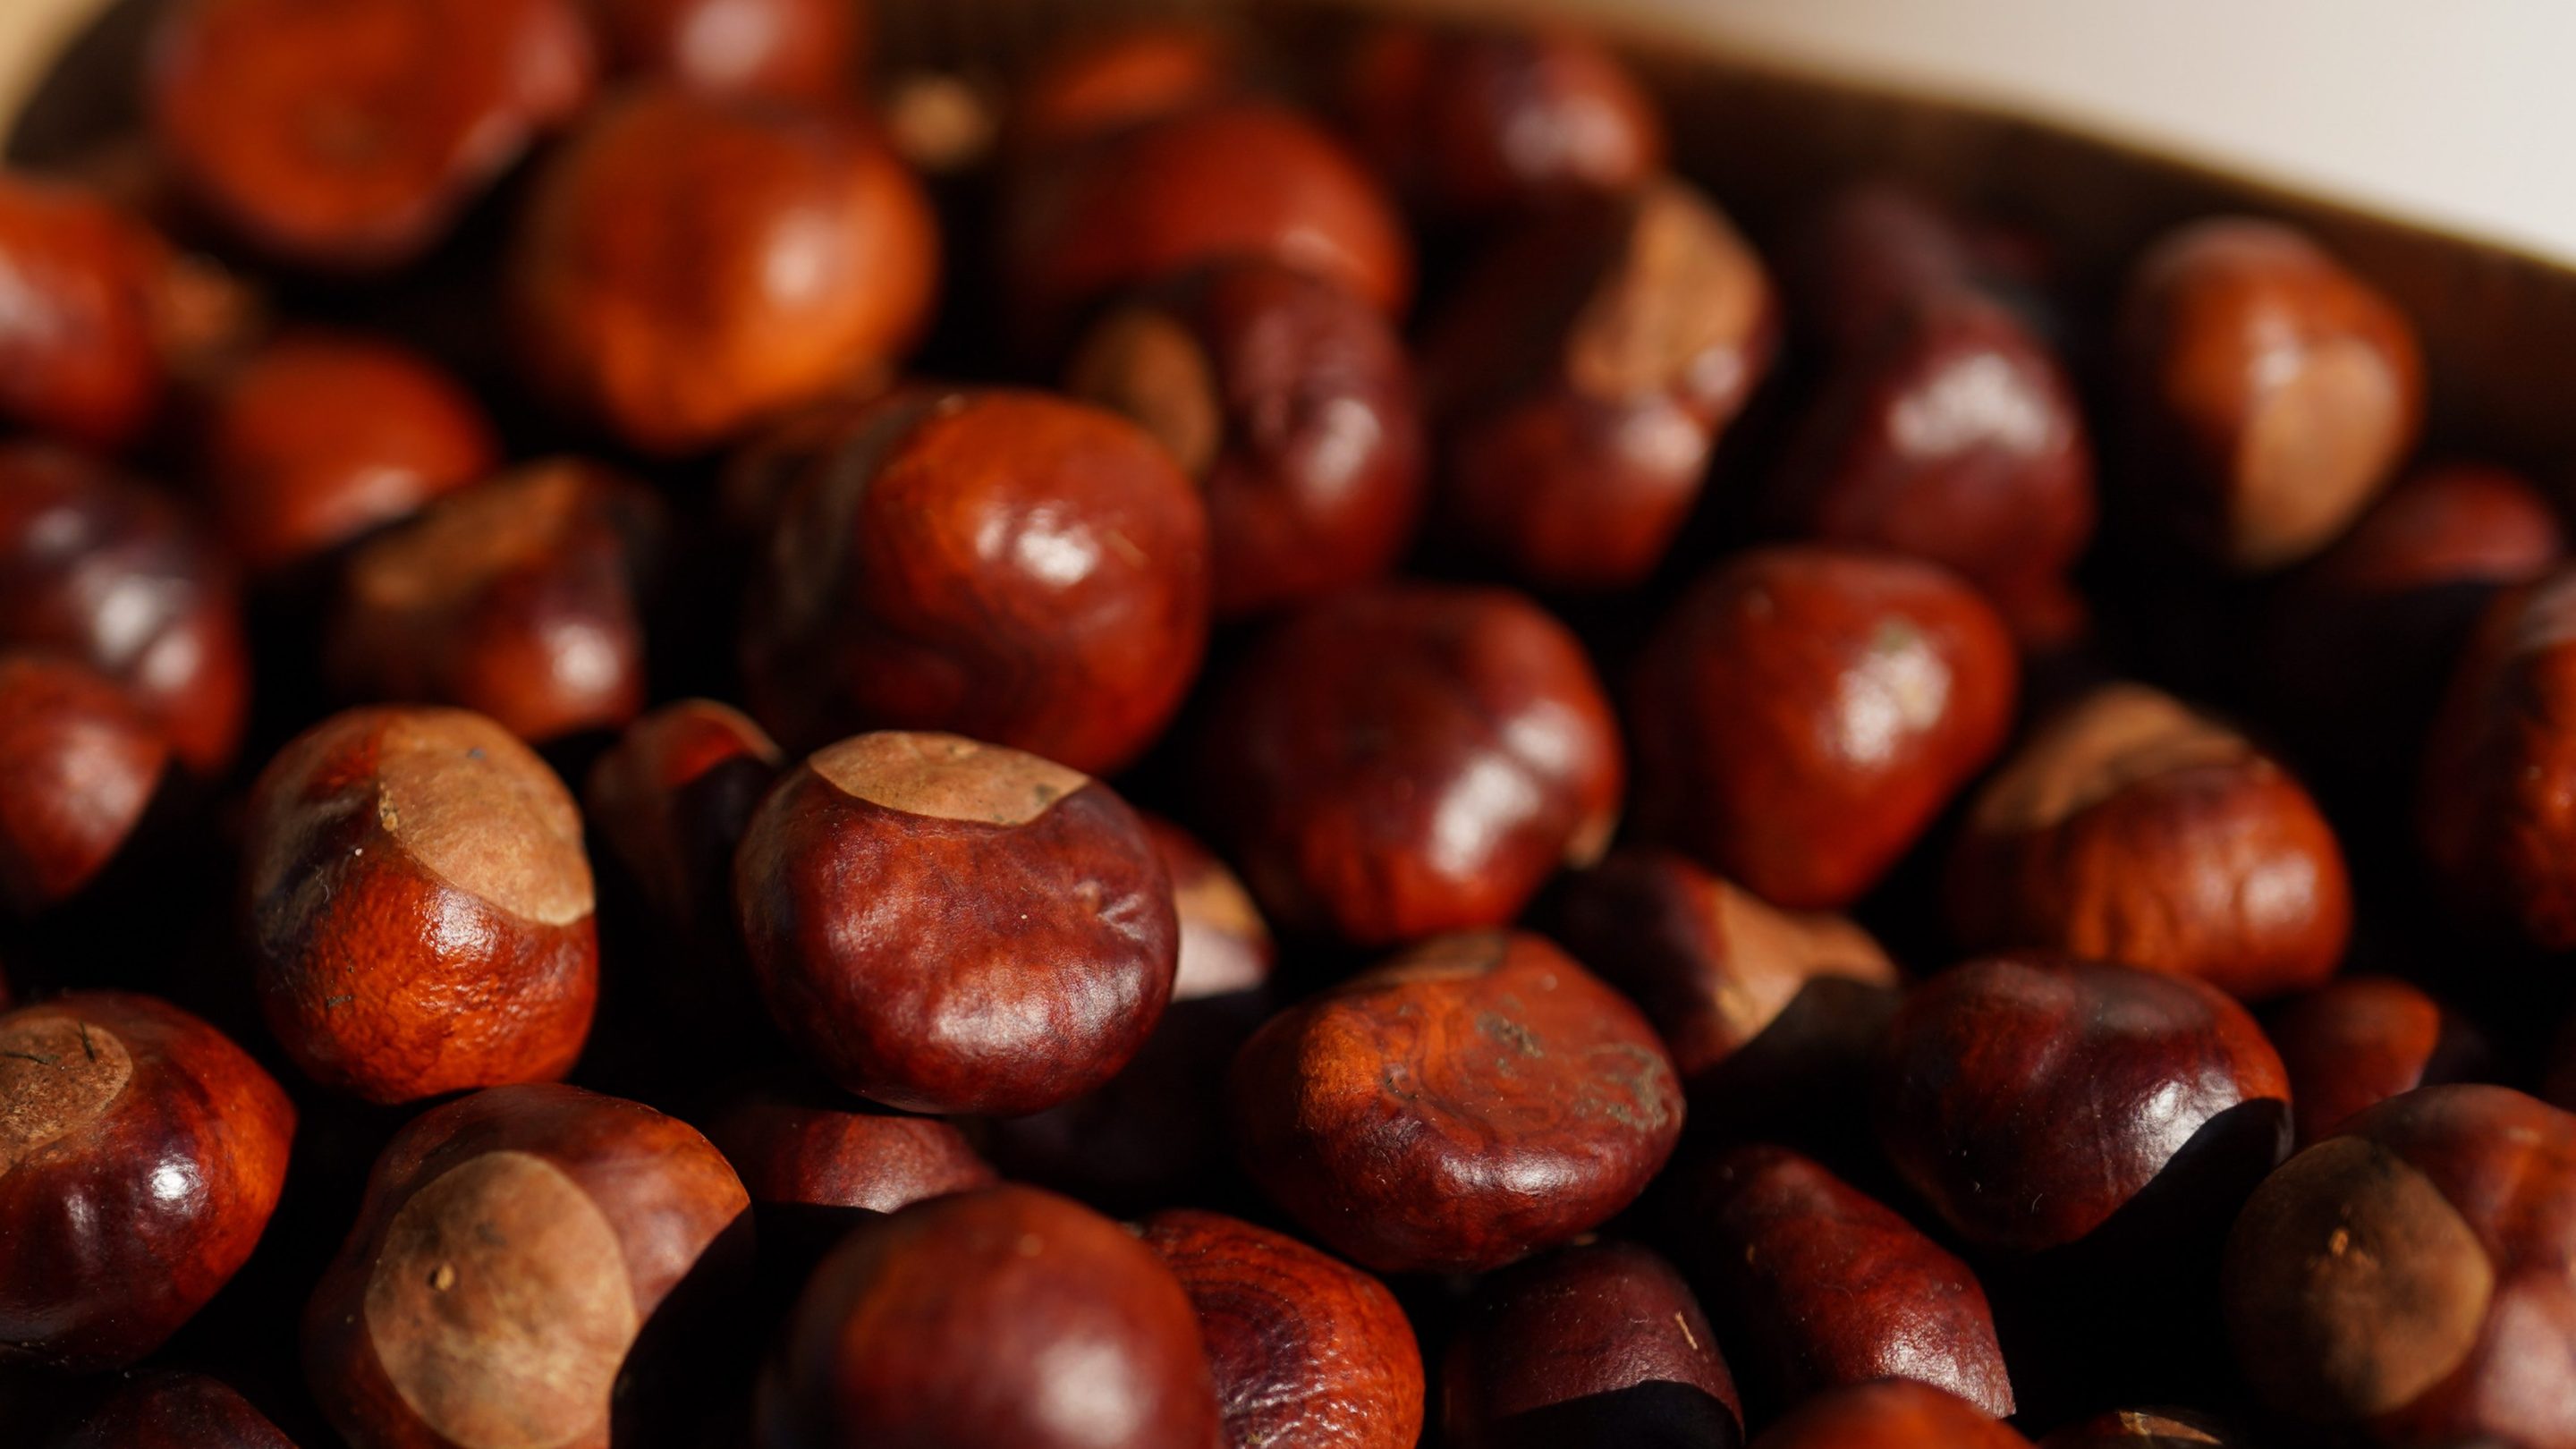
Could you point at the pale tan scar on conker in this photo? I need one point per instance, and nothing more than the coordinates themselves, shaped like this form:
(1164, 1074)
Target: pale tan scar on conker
(1465, 953)
(2315, 450)
(502, 524)
(1772, 954)
(2113, 738)
(499, 1307)
(1146, 364)
(2365, 1286)
(471, 803)
(57, 1074)
(946, 777)
(1689, 285)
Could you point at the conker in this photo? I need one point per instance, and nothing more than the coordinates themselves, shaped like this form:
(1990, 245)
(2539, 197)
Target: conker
(1817, 1286)
(2497, 816)
(1303, 1348)
(674, 322)
(798, 1149)
(2143, 1429)
(1598, 1344)
(1987, 1063)
(1292, 404)
(418, 906)
(141, 1153)
(948, 926)
(671, 800)
(1461, 1106)
(1412, 758)
(1806, 710)
(2270, 392)
(82, 348)
(1579, 378)
(521, 598)
(1098, 85)
(2356, 1042)
(798, 50)
(1003, 1316)
(1888, 1414)
(513, 1246)
(320, 438)
(350, 136)
(113, 574)
(1008, 565)
(174, 1411)
(2129, 828)
(2405, 1280)
(79, 765)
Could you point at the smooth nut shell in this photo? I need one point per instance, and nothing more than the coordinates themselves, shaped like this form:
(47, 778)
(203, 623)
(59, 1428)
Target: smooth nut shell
(79, 766)
(2495, 812)
(1888, 1414)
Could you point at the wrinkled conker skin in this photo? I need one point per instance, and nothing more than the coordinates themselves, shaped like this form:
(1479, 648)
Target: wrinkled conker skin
(1955, 435)
(1467, 1103)
(2356, 1042)
(1817, 1286)
(2270, 392)
(795, 50)
(2495, 812)
(1304, 1349)
(174, 1411)
(1156, 1133)
(79, 765)
(1709, 962)
(141, 1153)
(1473, 123)
(2129, 828)
(799, 1149)
(520, 598)
(81, 347)
(688, 265)
(319, 438)
(1292, 404)
(350, 136)
(2144, 1429)
(1806, 710)
(113, 574)
(1233, 178)
(1888, 1414)
(1008, 565)
(671, 800)
(2405, 1281)
(1579, 378)
(512, 1247)
(947, 926)
(2361, 640)
(418, 906)
(956, 1321)
(1098, 85)
(1988, 1064)
(1411, 758)
(1599, 1344)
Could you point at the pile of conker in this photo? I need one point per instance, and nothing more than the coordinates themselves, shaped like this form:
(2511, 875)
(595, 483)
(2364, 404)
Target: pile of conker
(1247, 741)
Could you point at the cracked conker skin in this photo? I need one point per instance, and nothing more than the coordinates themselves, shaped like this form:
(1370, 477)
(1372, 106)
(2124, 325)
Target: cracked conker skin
(1459, 1107)
(520, 598)
(1596, 1345)
(114, 574)
(419, 906)
(350, 136)
(2143, 1429)
(1987, 1063)
(1806, 710)
(1818, 1286)
(1579, 378)
(2130, 828)
(79, 765)
(795, 50)
(948, 926)
(1008, 565)
(2406, 1280)
(174, 1411)
(512, 1246)
(1411, 758)
(141, 1153)
(2495, 814)
(1291, 403)
(2356, 1042)
(81, 346)
(1232, 178)
(1888, 1414)
(319, 438)
(956, 1321)
(1305, 1349)
(688, 265)
(2270, 392)
(1475, 123)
